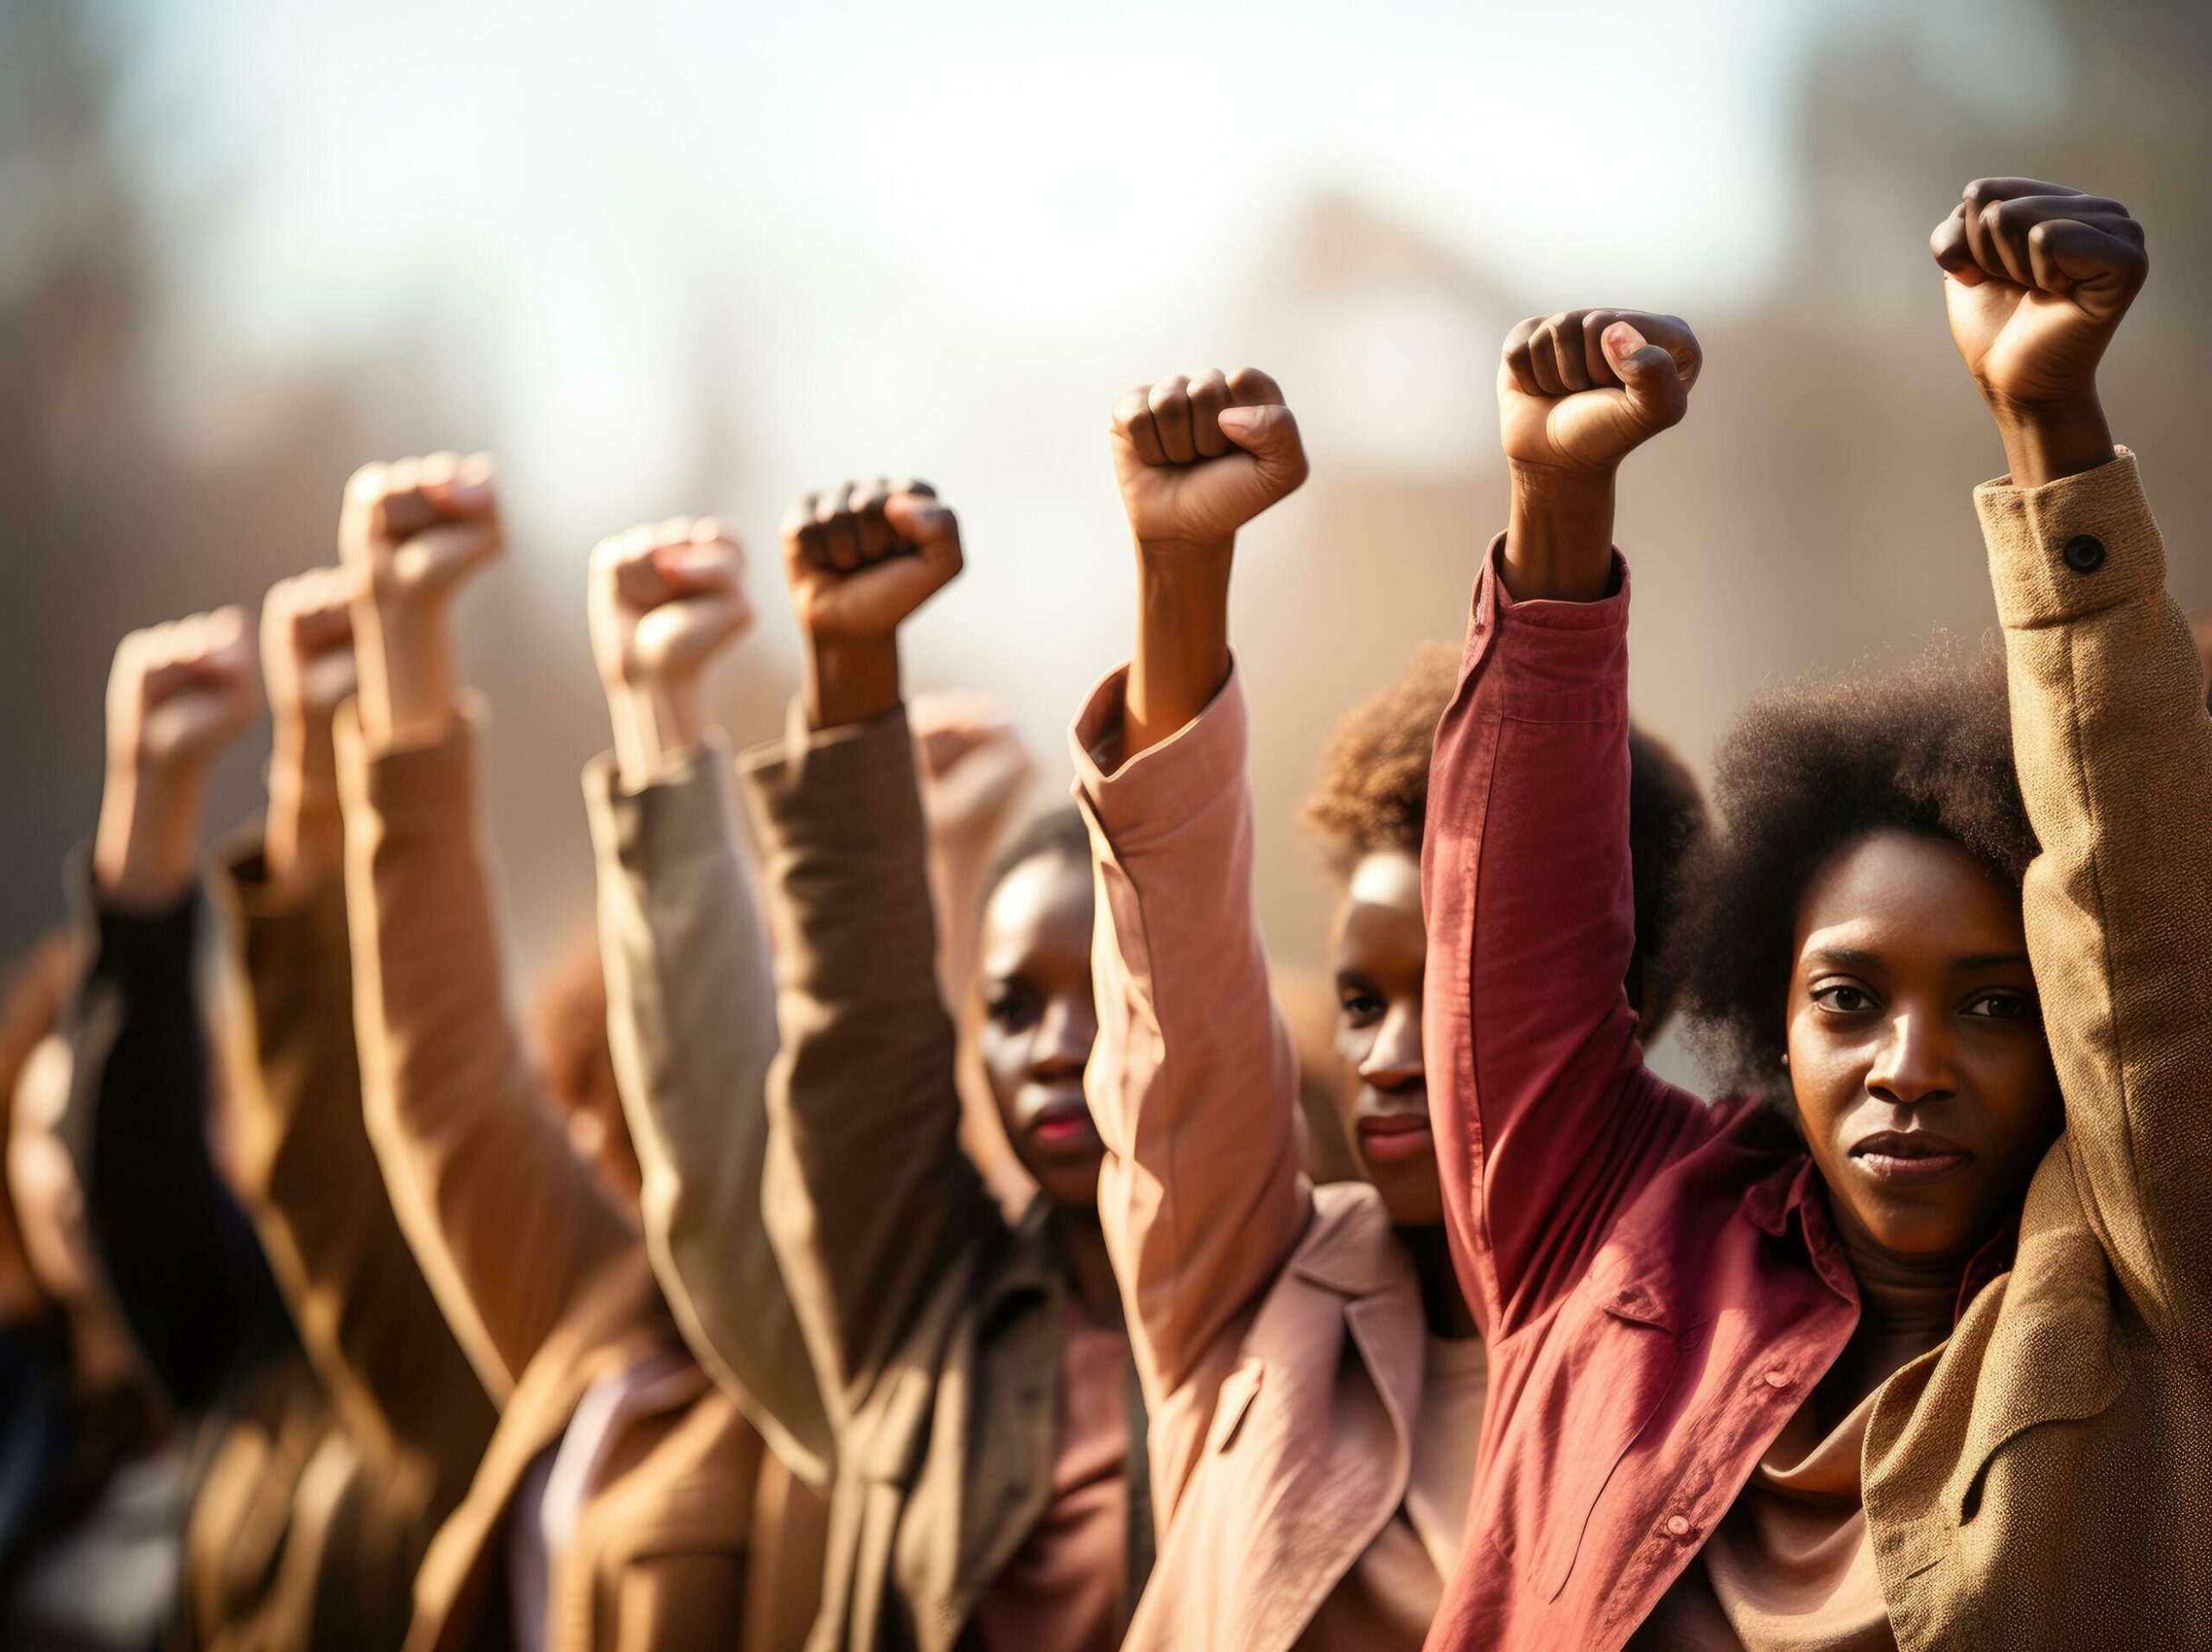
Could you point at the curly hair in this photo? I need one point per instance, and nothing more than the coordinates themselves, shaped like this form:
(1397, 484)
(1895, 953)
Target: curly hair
(1374, 795)
(1808, 771)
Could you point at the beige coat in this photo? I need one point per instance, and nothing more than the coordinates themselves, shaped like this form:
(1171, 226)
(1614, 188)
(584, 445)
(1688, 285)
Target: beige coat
(543, 1277)
(1279, 1329)
(2044, 1479)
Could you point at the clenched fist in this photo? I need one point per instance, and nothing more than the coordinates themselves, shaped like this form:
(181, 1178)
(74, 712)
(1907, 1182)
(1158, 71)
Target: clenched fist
(307, 666)
(1582, 390)
(1200, 457)
(177, 694)
(664, 600)
(863, 557)
(410, 532)
(2036, 279)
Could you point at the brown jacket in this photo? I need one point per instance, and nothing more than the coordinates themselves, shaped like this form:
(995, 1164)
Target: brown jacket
(543, 1277)
(2044, 1478)
(414, 1417)
(935, 1325)
(1279, 1330)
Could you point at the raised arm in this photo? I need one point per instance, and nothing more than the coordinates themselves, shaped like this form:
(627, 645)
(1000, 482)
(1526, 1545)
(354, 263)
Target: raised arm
(310, 1179)
(509, 1224)
(872, 1205)
(2109, 733)
(1547, 1120)
(1192, 1083)
(172, 1241)
(691, 1002)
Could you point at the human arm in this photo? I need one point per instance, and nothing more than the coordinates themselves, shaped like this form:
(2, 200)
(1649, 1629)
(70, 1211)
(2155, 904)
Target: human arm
(2110, 735)
(691, 1005)
(1546, 1118)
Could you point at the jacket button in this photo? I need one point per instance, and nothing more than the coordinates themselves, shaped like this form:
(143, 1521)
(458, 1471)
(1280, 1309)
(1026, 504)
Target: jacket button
(2084, 553)
(1678, 1527)
(1777, 1378)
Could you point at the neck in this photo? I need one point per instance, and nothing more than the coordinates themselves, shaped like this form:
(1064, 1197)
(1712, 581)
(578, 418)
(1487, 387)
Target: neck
(1443, 1303)
(1091, 1270)
(1906, 1306)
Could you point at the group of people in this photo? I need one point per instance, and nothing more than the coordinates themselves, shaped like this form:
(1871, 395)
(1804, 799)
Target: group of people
(892, 1239)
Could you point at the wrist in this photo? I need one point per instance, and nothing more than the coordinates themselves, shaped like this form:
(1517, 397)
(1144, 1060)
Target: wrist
(1559, 534)
(657, 722)
(849, 679)
(2045, 441)
(305, 837)
(1182, 654)
(403, 658)
(146, 848)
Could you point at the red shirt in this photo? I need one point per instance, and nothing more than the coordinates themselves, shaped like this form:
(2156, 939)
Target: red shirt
(1657, 1278)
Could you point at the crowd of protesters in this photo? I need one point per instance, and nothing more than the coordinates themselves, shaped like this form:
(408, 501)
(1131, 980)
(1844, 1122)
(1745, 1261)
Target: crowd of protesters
(904, 1229)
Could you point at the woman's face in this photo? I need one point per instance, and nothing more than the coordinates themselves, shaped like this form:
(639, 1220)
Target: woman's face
(1039, 1021)
(1923, 1085)
(1381, 948)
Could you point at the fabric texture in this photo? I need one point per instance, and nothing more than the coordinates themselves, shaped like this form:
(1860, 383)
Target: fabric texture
(936, 1326)
(1659, 1280)
(1279, 1331)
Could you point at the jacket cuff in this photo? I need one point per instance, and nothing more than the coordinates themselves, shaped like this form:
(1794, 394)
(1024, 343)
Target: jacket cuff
(121, 941)
(1553, 661)
(1163, 788)
(411, 786)
(2072, 546)
(848, 788)
(680, 815)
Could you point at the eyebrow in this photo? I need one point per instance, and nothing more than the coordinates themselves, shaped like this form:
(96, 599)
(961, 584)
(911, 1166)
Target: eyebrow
(1859, 958)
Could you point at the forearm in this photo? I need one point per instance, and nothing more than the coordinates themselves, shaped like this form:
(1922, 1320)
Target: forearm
(1181, 657)
(2048, 441)
(1559, 534)
(659, 724)
(848, 680)
(409, 688)
(146, 848)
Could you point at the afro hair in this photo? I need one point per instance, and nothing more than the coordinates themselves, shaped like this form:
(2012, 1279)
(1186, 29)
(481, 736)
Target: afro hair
(1808, 771)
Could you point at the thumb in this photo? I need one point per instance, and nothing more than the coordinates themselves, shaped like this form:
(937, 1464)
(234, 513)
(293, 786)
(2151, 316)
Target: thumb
(1648, 373)
(1269, 434)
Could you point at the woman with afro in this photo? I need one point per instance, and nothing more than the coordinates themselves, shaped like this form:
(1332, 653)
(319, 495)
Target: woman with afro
(1908, 1343)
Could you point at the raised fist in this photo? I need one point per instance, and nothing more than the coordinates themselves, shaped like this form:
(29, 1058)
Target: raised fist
(863, 557)
(664, 600)
(307, 644)
(178, 693)
(1582, 390)
(1197, 458)
(413, 528)
(2036, 277)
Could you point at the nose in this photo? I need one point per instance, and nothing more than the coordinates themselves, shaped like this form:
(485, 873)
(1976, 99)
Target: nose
(1393, 1062)
(1065, 1034)
(1917, 1061)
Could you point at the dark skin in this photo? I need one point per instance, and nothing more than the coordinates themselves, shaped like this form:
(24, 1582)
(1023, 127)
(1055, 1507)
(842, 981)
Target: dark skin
(861, 559)
(1910, 1003)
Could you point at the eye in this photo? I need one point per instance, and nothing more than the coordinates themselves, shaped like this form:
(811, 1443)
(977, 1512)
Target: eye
(1358, 1007)
(2003, 1007)
(1842, 997)
(1011, 1007)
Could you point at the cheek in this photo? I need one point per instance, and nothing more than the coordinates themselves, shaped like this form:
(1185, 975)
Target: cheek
(1828, 1073)
(1003, 1056)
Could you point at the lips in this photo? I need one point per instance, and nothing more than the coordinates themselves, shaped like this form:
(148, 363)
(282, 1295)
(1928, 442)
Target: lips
(1062, 1122)
(1386, 1137)
(1910, 1158)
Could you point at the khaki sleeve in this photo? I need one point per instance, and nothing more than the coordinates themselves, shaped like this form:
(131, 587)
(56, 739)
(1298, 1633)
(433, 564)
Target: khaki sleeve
(2114, 755)
(310, 1179)
(510, 1225)
(691, 1017)
(876, 1214)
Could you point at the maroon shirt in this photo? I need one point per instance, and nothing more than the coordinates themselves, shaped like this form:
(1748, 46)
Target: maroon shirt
(1657, 1278)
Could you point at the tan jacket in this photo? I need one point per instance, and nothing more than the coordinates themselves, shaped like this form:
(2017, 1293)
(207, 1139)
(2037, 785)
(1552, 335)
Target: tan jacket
(935, 1325)
(1279, 1330)
(2044, 1479)
(414, 1417)
(543, 1277)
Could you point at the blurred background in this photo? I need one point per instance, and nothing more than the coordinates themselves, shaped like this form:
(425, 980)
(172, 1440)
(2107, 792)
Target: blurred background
(671, 258)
